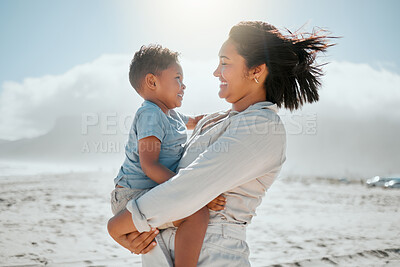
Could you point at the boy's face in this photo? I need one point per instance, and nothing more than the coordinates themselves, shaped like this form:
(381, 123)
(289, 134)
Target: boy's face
(170, 86)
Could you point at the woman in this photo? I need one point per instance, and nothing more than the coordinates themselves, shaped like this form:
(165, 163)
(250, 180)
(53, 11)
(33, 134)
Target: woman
(238, 152)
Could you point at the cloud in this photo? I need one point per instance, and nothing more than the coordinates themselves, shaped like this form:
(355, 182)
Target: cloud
(30, 108)
(362, 89)
(352, 130)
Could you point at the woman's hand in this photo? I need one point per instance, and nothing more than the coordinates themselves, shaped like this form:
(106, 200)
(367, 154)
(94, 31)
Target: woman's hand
(141, 243)
(123, 231)
(217, 204)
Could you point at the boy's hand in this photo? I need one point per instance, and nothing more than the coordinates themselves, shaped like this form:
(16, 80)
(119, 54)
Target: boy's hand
(217, 204)
(193, 122)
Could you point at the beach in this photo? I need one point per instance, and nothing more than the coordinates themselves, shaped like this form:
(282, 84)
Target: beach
(60, 220)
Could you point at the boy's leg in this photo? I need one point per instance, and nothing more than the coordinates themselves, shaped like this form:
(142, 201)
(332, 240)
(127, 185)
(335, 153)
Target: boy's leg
(189, 238)
(121, 195)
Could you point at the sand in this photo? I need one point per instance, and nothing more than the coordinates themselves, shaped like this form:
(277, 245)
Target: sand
(60, 220)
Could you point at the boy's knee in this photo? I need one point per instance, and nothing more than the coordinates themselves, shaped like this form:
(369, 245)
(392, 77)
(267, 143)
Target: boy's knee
(204, 214)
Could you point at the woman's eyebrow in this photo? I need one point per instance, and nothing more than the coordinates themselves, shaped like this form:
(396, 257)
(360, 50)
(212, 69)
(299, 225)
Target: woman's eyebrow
(221, 57)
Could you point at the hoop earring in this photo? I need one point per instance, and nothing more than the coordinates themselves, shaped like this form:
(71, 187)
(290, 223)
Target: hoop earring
(255, 79)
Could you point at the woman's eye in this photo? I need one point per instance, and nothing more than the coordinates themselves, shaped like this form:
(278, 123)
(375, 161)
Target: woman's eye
(223, 64)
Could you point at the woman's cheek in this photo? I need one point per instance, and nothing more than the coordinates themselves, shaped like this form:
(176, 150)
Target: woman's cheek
(224, 72)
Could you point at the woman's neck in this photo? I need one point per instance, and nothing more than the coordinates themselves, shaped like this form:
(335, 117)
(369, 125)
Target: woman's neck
(247, 101)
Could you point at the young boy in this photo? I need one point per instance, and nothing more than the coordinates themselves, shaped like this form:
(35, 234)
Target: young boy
(155, 144)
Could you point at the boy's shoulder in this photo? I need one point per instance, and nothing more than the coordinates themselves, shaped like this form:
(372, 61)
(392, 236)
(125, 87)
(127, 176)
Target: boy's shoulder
(148, 114)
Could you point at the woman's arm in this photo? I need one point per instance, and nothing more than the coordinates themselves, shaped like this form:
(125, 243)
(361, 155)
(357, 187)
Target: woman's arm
(251, 147)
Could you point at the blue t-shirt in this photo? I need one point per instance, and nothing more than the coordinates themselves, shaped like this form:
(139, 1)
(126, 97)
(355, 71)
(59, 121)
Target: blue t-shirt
(170, 129)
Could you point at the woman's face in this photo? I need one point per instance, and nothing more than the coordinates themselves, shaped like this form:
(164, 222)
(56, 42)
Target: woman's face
(232, 72)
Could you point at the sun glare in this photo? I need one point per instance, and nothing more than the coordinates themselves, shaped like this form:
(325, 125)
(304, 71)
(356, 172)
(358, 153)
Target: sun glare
(188, 26)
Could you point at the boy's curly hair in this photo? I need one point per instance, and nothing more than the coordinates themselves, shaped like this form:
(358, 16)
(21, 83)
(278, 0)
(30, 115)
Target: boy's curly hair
(150, 59)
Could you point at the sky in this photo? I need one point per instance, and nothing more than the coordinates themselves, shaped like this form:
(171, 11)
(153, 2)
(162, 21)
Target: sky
(71, 58)
(50, 37)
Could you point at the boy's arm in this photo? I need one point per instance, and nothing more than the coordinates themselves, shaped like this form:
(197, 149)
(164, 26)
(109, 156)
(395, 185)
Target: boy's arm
(193, 121)
(149, 152)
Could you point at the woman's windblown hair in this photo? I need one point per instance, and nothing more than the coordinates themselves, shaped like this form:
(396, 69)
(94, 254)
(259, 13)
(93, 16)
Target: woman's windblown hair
(293, 78)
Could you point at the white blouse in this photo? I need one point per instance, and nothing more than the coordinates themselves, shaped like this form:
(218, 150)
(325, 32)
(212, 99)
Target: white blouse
(236, 153)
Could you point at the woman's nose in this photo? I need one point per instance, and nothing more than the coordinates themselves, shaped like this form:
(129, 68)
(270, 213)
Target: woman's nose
(216, 72)
(183, 86)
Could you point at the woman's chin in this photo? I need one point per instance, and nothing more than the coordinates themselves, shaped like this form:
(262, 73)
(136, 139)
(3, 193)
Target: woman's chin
(225, 96)
(221, 94)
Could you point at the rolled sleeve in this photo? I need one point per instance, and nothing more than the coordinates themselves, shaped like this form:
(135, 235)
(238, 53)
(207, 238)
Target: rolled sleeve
(249, 148)
(138, 218)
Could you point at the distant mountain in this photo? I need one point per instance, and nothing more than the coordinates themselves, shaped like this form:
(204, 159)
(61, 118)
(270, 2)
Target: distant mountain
(324, 146)
(2, 141)
(68, 141)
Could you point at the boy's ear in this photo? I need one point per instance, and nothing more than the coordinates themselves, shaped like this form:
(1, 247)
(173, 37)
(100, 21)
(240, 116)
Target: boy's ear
(150, 81)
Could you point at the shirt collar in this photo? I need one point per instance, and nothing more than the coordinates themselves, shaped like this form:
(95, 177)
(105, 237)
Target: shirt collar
(149, 103)
(259, 105)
